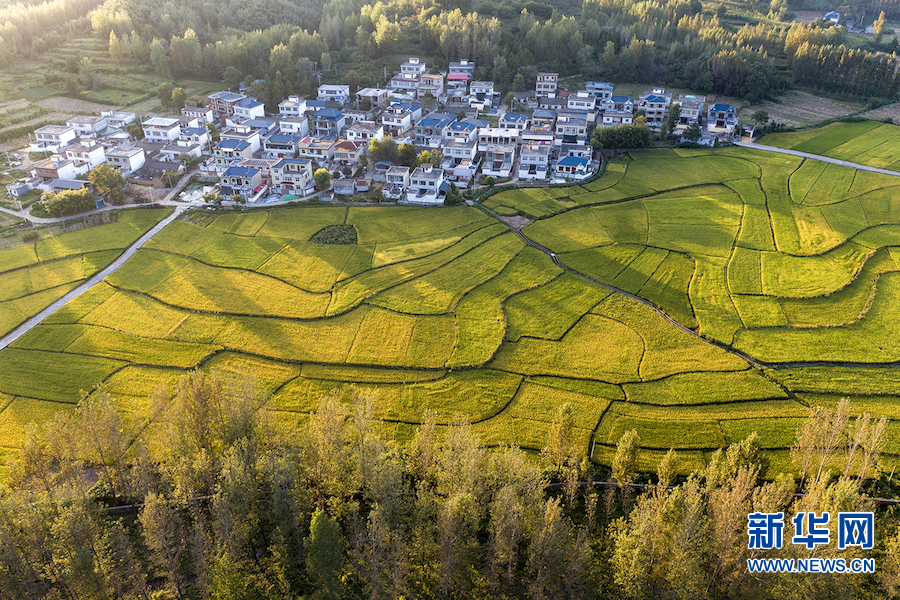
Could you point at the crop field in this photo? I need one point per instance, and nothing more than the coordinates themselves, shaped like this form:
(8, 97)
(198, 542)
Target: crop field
(700, 296)
(868, 143)
(34, 275)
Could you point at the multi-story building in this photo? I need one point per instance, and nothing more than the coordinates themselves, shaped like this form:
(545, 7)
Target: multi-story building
(348, 152)
(87, 126)
(572, 167)
(489, 136)
(514, 121)
(245, 134)
(328, 122)
(433, 84)
(365, 132)
(425, 186)
(543, 119)
(602, 90)
(337, 93)
(430, 129)
(203, 113)
(618, 110)
(414, 66)
(86, 152)
(227, 152)
(280, 145)
(294, 126)
(571, 129)
(655, 104)
(721, 119)
(249, 108)
(465, 68)
(398, 120)
(378, 97)
(534, 161)
(691, 110)
(55, 167)
(319, 151)
(467, 129)
(582, 100)
(52, 138)
(292, 176)
(222, 103)
(118, 119)
(246, 181)
(546, 85)
(161, 130)
(126, 158)
(460, 158)
(396, 182)
(498, 160)
(293, 106)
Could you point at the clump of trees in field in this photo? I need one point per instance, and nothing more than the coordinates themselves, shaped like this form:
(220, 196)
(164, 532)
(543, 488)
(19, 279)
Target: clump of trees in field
(210, 494)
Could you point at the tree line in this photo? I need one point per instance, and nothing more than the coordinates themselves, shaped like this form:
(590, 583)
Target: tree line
(215, 496)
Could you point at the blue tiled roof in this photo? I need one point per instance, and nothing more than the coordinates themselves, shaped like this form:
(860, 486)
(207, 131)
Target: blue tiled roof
(654, 98)
(282, 138)
(514, 118)
(233, 144)
(621, 99)
(543, 114)
(574, 161)
(721, 108)
(436, 120)
(193, 131)
(228, 96)
(240, 172)
(249, 102)
(331, 114)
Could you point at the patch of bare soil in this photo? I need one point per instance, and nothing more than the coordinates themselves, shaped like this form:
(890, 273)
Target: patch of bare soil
(517, 222)
(883, 112)
(6, 107)
(73, 105)
(808, 16)
(800, 108)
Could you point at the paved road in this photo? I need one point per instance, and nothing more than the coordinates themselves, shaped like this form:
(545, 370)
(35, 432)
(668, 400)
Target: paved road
(112, 268)
(834, 161)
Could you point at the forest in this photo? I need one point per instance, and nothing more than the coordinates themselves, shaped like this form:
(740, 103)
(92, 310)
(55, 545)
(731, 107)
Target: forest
(217, 502)
(285, 46)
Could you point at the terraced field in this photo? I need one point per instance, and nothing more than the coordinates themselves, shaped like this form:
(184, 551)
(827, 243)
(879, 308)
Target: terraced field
(34, 275)
(753, 290)
(869, 143)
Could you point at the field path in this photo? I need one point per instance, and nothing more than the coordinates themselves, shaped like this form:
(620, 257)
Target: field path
(112, 268)
(834, 161)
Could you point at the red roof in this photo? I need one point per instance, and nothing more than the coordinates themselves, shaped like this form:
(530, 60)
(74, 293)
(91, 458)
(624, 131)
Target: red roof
(458, 77)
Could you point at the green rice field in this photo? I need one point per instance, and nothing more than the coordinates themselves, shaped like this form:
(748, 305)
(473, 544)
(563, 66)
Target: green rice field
(870, 143)
(700, 295)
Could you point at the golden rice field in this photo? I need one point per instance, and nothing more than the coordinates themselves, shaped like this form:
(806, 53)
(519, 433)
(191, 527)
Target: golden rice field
(757, 285)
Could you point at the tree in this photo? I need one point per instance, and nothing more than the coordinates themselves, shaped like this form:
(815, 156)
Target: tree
(692, 133)
(625, 458)
(406, 155)
(238, 198)
(163, 534)
(232, 77)
(323, 179)
(431, 157)
(453, 196)
(108, 181)
(164, 93)
(760, 117)
(213, 198)
(384, 149)
(878, 27)
(672, 120)
(135, 130)
(325, 555)
(428, 100)
(177, 99)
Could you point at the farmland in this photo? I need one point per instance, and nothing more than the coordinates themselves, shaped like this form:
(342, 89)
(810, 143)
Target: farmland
(34, 275)
(865, 142)
(754, 291)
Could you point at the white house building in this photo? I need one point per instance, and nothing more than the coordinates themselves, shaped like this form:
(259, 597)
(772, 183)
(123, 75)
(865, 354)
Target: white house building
(425, 185)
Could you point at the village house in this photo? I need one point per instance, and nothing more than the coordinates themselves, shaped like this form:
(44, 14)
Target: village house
(426, 186)
(398, 120)
(618, 110)
(498, 160)
(430, 129)
(467, 129)
(319, 151)
(460, 159)
(365, 132)
(691, 110)
(52, 138)
(546, 85)
(543, 119)
(293, 106)
(721, 119)
(228, 151)
(280, 145)
(571, 129)
(203, 113)
(86, 153)
(126, 158)
(294, 126)
(161, 130)
(377, 97)
(396, 182)
(488, 136)
(655, 104)
(292, 176)
(428, 83)
(246, 181)
(534, 161)
(463, 70)
(514, 121)
(337, 93)
(582, 100)
(601, 90)
(245, 134)
(118, 119)
(55, 167)
(572, 167)
(328, 122)
(87, 126)
(348, 153)
(223, 103)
